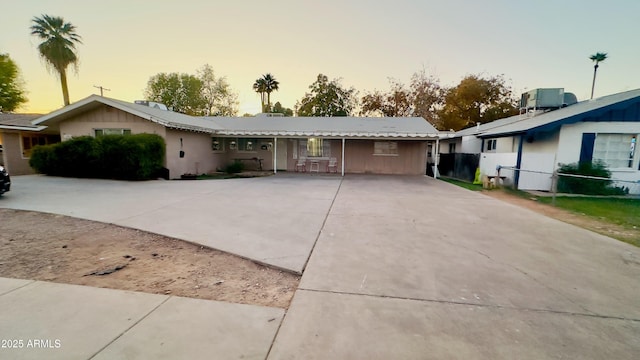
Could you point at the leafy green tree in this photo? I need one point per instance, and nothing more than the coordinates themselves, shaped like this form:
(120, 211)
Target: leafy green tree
(397, 102)
(278, 108)
(597, 58)
(58, 46)
(422, 99)
(427, 96)
(180, 92)
(327, 98)
(219, 99)
(476, 100)
(12, 93)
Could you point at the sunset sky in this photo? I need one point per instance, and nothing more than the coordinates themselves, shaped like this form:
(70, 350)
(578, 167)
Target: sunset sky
(542, 43)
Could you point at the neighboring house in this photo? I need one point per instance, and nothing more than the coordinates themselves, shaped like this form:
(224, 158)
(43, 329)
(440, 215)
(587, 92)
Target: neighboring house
(17, 137)
(206, 144)
(605, 129)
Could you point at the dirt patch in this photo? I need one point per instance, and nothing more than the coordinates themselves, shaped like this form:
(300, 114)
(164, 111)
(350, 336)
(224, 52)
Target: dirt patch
(583, 221)
(62, 249)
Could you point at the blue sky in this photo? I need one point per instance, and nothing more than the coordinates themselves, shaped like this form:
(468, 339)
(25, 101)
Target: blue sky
(543, 43)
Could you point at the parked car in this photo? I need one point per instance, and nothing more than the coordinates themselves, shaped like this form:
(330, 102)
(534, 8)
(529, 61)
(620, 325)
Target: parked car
(5, 180)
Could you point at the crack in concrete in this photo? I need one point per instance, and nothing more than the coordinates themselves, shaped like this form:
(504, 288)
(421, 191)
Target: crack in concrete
(324, 222)
(493, 306)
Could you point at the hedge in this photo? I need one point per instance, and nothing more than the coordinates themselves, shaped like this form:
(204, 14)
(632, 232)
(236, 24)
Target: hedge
(123, 157)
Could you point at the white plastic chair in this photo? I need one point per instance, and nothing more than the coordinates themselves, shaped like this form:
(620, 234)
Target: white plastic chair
(332, 165)
(301, 165)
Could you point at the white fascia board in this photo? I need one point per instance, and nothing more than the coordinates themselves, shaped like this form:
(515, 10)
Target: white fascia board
(23, 128)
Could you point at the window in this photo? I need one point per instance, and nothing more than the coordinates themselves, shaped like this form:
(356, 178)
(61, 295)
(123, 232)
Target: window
(247, 144)
(29, 141)
(491, 144)
(452, 148)
(389, 148)
(217, 144)
(100, 132)
(615, 150)
(314, 147)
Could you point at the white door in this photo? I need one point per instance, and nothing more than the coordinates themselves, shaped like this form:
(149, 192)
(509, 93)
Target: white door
(281, 156)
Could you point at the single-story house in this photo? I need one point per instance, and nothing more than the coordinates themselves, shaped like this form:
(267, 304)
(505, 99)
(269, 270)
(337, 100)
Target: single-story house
(206, 144)
(605, 129)
(17, 137)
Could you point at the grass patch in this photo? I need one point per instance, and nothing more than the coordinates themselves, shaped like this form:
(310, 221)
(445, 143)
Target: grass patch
(463, 184)
(623, 212)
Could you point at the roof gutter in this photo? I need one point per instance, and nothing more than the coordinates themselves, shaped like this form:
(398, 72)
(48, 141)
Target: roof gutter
(22, 128)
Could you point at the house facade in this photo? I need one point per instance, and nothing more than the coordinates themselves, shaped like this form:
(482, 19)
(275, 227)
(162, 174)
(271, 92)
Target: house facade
(196, 145)
(18, 136)
(605, 129)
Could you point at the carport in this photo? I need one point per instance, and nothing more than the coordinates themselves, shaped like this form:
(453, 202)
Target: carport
(358, 145)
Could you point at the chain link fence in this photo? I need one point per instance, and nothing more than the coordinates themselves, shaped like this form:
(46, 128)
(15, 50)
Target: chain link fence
(563, 183)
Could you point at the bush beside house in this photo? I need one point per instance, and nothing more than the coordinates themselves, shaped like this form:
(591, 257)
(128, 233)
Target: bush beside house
(123, 157)
(587, 186)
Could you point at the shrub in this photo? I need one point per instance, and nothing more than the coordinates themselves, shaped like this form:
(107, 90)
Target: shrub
(234, 168)
(576, 185)
(125, 157)
(42, 159)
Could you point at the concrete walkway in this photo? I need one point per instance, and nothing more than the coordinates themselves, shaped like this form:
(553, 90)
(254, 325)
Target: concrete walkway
(401, 268)
(42, 320)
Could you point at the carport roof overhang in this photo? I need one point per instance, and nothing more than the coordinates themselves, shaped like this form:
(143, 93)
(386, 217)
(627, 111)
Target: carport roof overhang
(328, 134)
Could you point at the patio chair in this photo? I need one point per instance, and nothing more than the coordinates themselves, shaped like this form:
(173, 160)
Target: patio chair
(301, 165)
(332, 166)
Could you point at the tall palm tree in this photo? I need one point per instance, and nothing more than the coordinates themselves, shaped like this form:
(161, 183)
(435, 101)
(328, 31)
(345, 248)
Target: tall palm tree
(598, 58)
(271, 84)
(260, 87)
(58, 46)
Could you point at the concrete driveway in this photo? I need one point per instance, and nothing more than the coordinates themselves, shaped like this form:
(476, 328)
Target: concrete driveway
(400, 267)
(273, 220)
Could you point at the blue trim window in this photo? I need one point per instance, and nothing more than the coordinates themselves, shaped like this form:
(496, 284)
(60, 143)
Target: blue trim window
(617, 151)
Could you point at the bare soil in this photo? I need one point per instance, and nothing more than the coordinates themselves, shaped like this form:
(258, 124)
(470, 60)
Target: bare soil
(581, 220)
(62, 249)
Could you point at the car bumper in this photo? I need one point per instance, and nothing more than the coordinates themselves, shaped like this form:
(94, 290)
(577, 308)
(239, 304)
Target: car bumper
(5, 185)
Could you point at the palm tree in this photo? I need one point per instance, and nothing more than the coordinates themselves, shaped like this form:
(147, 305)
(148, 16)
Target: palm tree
(270, 84)
(58, 46)
(598, 58)
(260, 87)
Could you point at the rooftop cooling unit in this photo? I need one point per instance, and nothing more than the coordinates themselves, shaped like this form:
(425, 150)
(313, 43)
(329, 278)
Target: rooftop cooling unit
(542, 99)
(151, 104)
(569, 99)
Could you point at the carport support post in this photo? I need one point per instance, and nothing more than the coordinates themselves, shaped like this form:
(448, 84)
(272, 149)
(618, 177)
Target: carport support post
(275, 155)
(437, 158)
(342, 160)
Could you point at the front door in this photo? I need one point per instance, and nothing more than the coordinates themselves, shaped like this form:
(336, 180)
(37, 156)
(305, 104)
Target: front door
(281, 156)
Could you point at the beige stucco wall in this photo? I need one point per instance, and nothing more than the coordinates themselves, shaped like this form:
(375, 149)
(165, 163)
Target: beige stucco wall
(107, 117)
(198, 156)
(359, 157)
(411, 158)
(12, 157)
